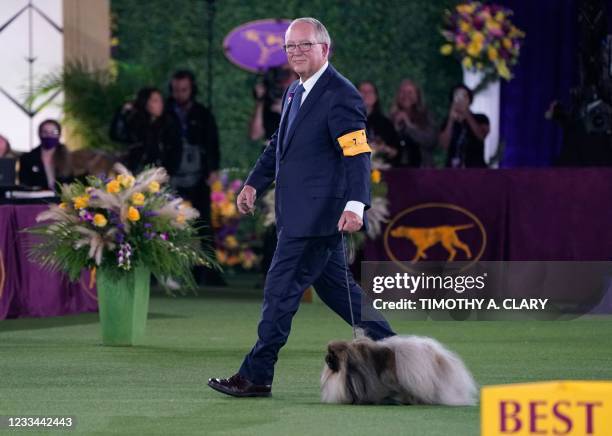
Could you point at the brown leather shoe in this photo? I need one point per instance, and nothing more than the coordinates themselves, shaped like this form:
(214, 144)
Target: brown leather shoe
(238, 386)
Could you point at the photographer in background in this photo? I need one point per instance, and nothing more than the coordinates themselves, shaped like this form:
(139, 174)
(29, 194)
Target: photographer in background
(463, 132)
(198, 156)
(268, 94)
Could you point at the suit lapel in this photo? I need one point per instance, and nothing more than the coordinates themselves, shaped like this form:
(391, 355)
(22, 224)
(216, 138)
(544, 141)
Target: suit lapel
(283, 121)
(309, 103)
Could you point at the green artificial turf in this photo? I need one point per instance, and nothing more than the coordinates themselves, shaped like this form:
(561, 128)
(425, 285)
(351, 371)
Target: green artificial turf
(56, 366)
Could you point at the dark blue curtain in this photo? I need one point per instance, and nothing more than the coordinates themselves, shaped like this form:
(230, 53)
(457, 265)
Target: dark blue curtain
(547, 69)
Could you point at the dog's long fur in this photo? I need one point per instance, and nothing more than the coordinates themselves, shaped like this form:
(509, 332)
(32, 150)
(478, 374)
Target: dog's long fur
(398, 369)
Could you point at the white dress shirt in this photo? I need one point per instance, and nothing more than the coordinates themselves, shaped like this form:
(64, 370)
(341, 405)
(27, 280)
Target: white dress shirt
(356, 207)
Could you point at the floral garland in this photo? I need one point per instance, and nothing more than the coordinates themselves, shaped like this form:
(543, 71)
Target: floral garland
(482, 37)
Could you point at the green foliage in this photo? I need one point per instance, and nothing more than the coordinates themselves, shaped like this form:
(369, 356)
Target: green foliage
(93, 96)
(384, 41)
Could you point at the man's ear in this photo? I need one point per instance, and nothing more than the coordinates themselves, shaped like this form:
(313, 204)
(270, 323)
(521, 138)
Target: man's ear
(325, 50)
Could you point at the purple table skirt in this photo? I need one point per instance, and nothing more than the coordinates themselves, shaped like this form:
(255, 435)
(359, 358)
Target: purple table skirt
(26, 290)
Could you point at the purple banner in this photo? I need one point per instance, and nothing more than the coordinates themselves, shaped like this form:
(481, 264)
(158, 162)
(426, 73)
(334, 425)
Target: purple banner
(514, 215)
(28, 290)
(257, 45)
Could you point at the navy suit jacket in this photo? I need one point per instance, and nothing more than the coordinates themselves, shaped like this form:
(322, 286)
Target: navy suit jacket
(314, 177)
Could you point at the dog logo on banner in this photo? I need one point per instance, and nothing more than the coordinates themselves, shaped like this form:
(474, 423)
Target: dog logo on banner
(435, 231)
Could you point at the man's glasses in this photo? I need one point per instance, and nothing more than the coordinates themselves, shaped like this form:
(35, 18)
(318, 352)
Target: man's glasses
(303, 46)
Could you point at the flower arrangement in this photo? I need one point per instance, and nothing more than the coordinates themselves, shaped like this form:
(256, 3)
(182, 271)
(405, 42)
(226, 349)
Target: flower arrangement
(117, 223)
(233, 239)
(482, 37)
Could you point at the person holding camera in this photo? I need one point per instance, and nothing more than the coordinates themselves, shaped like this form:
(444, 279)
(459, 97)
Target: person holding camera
(414, 126)
(268, 94)
(463, 132)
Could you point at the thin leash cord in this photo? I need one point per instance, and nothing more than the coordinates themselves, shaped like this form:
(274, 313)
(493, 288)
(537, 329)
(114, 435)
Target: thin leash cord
(348, 288)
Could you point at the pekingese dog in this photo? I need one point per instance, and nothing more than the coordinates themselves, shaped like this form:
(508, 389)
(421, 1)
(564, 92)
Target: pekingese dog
(398, 369)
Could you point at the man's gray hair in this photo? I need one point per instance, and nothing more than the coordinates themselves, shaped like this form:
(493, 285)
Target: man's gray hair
(321, 32)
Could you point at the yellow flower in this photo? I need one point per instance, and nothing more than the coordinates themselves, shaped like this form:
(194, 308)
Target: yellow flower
(180, 218)
(133, 214)
(507, 43)
(99, 220)
(153, 187)
(492, 53)
(63, 205)
(125, 180)
(474, 48)
(465, 8)
(138, 198)
(467, 63)
(376, 176)
(217, 186)
(464, 26)
(446, 49)
(231, 241)
(503, 71)
(228, 209)
(81, 201)
(500, 16)
(478, 37)
(493, 25)
(113, 187)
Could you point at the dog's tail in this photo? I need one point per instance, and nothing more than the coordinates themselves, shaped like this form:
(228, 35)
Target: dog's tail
(463, 227)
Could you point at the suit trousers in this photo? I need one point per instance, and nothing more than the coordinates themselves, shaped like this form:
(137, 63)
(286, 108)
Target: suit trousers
(297, 264)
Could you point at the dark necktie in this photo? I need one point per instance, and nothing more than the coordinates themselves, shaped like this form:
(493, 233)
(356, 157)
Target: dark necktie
(296, 101)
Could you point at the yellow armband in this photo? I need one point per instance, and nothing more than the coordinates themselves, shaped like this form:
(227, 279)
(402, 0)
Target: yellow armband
(354, 143)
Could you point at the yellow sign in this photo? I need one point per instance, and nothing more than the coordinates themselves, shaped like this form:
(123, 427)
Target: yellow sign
(569, 408)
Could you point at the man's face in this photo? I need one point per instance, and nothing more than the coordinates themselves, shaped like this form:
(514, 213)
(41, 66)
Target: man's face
(305, 63)
(181, 90)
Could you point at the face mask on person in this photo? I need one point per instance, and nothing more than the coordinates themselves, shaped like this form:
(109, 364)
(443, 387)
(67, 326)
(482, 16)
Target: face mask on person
(49, 143)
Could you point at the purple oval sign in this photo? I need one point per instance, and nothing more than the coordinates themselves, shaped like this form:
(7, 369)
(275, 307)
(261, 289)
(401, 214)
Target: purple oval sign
(257, 45)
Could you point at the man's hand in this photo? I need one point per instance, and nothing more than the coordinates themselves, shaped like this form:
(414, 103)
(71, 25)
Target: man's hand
(246, 200)
(349, 222)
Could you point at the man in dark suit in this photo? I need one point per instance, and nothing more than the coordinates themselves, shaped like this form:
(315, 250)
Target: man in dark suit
(320, 160)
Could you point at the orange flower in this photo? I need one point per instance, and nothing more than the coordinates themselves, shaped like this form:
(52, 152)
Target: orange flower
(133, 214)
(81, 201)
(99, 220)
(113, 187)
(376, 176)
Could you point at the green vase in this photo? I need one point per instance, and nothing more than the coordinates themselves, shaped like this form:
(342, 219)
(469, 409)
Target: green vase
(123, 304)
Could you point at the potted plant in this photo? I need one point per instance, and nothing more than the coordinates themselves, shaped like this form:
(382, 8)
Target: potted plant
(124, 229)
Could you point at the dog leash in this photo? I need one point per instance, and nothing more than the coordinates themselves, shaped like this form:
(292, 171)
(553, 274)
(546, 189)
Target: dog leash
(348, 288)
